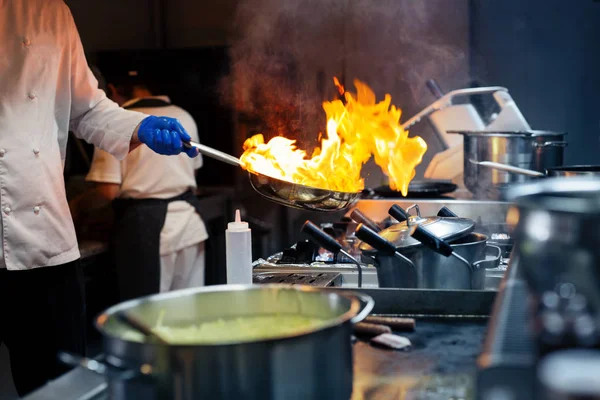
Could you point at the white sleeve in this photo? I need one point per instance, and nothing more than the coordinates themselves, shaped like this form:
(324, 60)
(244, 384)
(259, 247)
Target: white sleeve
(105, 168)
(95, 118)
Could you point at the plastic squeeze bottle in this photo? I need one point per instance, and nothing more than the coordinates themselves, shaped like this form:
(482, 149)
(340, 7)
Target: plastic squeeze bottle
(238, 243)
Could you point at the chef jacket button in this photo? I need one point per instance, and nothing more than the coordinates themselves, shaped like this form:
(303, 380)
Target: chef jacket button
(6, 210)
(36, 209)
(26, 42)
(32, 96)
(2, 152)
(36, 151)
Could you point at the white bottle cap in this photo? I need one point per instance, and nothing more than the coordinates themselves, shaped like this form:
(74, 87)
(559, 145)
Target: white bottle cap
(237, 225)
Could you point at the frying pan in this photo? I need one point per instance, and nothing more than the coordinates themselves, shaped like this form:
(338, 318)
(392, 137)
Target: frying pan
(565, 171)
(286, 193)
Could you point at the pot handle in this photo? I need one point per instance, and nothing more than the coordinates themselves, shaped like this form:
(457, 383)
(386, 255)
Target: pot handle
(550, 144)
(495, 261)
(103, 368)
(364, 298)
(508, 168)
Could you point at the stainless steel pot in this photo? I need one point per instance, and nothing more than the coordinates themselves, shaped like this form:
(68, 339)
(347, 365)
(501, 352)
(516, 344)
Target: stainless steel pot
(557, 239)
(312, 363)
(535, 150)
(435, 271)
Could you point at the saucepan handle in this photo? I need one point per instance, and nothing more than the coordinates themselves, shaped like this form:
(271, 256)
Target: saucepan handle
(213, 153)
(367, 300)
(494, 261)
(399, 213)
(446, 212)
(550, 144)
(321, 238)
(371, 237)
(508, 168)
(103, 368)
(433, 242)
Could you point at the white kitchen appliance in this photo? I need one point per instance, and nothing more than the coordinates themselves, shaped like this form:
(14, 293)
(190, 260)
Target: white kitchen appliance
(445, 115)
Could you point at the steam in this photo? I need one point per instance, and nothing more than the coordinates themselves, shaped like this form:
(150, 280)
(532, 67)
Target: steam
(286, 53)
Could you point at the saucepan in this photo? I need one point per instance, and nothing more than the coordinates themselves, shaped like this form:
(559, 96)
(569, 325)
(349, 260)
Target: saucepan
(286, 193)
(307, 360)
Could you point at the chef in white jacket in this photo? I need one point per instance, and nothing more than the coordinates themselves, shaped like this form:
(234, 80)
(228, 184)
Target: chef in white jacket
(46, 89)
(159, 236)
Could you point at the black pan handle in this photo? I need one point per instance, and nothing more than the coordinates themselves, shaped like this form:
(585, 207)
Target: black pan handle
(398, 212)
(321, 238)
(372, 238)
(433, 242)
(446, 212)
(361, 218)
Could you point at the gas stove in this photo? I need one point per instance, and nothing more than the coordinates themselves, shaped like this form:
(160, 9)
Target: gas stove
(304, 257)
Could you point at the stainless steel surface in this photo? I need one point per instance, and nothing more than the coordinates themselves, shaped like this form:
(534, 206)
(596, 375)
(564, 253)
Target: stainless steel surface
(557, 239)
(528, 150)
(435, 271)
(287, 193)
(319, 279)
(446, 101)
(283, 368)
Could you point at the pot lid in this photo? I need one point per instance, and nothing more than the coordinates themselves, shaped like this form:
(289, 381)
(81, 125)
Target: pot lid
(446, 228)
(519, 133)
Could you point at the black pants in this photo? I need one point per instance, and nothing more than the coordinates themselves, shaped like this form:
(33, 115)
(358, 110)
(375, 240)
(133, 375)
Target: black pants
(42, 311)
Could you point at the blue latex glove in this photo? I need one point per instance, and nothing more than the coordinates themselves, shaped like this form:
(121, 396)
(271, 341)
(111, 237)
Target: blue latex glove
(164, 135)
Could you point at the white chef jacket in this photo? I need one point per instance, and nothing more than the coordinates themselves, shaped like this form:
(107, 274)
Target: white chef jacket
(144, 174)
(46, 89)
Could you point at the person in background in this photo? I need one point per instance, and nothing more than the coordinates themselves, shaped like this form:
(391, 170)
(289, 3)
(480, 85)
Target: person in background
(46, 89)
(159, 204)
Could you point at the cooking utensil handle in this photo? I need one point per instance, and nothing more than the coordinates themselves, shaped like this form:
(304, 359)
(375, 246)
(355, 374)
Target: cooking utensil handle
(433, 242)
(100, 367)
(318, 236)
(366, 299)
(139, 326)
(550, 144)
(398, 213)
(371, 237)
(495, 261)
(213, 153)
(446, 212)
(509, 168)
(361, 218)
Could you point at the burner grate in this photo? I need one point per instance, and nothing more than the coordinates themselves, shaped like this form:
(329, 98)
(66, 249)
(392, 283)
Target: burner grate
(320, 279)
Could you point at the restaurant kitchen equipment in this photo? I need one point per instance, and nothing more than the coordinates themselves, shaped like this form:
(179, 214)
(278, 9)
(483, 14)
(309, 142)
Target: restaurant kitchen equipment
(434, 268)
(535, 150)
(450, 112)
(285, 193)
(285, 366)
(548, 304)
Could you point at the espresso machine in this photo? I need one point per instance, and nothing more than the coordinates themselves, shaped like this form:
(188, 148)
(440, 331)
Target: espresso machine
(543, 340)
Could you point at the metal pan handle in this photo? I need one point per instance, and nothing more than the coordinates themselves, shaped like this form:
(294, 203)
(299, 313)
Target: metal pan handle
(495, 262)
(103, 368)
(509, 168)
(367, 300)
(213, 153)
(550, 144)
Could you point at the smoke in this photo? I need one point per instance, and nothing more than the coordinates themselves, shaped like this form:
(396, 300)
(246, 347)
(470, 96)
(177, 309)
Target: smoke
(286, 53)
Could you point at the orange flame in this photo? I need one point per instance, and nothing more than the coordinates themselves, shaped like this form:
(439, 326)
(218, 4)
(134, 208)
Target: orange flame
(357, 130)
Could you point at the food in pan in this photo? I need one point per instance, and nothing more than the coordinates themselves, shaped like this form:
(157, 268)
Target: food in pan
(229, 330)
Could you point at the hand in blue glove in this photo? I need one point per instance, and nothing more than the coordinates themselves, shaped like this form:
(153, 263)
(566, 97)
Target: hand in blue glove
(164, 135)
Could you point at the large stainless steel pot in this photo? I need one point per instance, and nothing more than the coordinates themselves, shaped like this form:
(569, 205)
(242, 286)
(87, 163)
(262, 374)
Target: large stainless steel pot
(435, 271)
(311, 364)
(557, 240)
(535, 150)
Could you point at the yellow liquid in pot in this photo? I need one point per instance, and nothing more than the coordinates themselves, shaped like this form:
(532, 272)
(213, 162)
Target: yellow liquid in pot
(228, 330)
